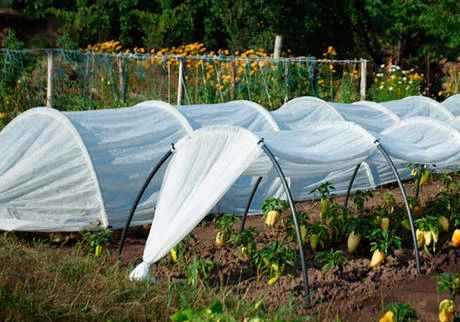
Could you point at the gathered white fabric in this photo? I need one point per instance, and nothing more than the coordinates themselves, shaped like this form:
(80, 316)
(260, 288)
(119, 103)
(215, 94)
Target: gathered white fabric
(141, 273)
(205, 165)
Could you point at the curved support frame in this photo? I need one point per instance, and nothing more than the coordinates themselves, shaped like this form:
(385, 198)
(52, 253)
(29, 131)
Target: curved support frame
(138, 198)
(350, 184)
(253, 192)
(296, 221)
(406, 202)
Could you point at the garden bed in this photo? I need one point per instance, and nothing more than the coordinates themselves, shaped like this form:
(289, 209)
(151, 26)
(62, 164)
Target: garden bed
(358, 293)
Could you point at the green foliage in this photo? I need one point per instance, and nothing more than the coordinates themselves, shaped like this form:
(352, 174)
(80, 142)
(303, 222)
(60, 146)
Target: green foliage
(450, 283)
(429, 223)
(181, 250)
(10, 41)
(198, 270)
(359, 225)
(225, 225)
(276, 253)
(359, 198)
(273, 204)
(245, 241)
(391, 83)
(386, 241)
(276, 204)
(402, 311)
(324, 189)
(96, 237)
(332, 260)
(211, 313)
(408, 31)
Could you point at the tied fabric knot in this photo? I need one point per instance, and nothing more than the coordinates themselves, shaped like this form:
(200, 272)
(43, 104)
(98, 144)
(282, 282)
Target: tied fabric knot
(141, 273)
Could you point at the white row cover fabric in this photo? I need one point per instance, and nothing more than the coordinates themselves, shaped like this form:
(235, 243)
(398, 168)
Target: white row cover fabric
(69, 171)
(64, 171)
(211, 159)
(204, 167)
(452, 104)
(413, 106)
(248, 115)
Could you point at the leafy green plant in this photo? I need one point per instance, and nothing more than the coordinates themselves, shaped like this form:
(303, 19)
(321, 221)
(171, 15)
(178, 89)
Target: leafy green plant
(421, 175)
(225, 225)
(383, 242)
(272, 211)
(448, 183)
(317, 234)
(181, 249)
(428, 226)
(332, 260)
(245, 241)
(326, 196)
(356, 228)
(198, 270)
(96, 238)
(359, 198)
(211, 313)
(391, 83)
(401, 312)
(336, 221)
(303, 221)
(273, 258)
(450, 283)
(388, 203)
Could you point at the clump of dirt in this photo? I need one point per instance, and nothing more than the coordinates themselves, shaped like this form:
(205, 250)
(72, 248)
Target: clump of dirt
(356, 293)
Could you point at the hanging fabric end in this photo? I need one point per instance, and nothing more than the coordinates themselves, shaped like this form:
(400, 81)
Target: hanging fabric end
(141, 273)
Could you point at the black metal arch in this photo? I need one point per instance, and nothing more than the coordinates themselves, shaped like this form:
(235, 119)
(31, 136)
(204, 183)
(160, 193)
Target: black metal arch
(138, 198)
(403, 192)
(287, 191)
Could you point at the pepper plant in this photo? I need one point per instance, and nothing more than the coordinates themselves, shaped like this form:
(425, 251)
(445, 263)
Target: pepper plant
(245, 241)
(272, 211)
(198, 270)
(332, 260)
(383, 242)
(96, 237)
(225, 225)
(428, 231)
(326, 196)
(359, 198)
(400, 312)
(273, 258)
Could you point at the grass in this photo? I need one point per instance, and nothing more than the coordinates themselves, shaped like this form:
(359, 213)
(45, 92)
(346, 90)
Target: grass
(39, 282)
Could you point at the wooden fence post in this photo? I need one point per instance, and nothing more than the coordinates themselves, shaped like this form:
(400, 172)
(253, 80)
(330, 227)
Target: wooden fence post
(122, 78)
(180, 85)
(49, 88)
(277, 51)
(362, 84)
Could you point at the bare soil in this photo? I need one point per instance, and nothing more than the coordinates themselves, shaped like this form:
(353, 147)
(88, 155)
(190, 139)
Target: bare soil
(358, 294)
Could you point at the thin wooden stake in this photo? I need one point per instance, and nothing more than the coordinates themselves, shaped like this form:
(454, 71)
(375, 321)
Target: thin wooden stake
(49, 88)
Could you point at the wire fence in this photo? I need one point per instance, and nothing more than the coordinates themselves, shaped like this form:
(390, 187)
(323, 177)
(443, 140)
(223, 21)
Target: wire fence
(80, 80)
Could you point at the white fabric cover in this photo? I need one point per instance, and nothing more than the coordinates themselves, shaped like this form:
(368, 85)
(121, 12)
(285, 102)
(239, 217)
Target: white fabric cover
(68, 171)
(205, 165)
(300, 112)
(63, 171)
(253, 117)
(43, 187)
(452, 104)
(370, 115)
(243, 113)
(209, 161)
(418, 106)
